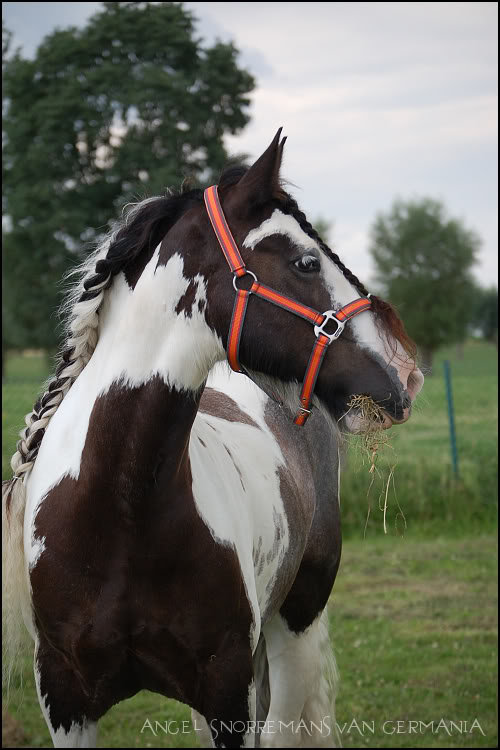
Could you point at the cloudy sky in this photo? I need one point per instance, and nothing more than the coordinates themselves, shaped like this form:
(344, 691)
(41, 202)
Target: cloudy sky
(378, 100)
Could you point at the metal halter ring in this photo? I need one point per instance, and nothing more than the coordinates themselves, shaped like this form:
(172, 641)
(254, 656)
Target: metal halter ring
(240, 277)
(330, 315)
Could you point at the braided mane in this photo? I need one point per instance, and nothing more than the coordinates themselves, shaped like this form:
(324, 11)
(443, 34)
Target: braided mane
(143, 226)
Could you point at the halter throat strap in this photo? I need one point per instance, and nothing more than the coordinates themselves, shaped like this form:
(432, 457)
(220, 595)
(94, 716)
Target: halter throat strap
(317, 319)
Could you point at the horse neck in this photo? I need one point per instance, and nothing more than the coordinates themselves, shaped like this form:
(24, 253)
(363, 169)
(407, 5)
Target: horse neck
(154, 353)
(158, 327)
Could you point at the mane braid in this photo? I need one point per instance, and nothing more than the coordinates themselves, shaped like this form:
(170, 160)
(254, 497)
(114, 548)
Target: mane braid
(142, 228)
(290, 205)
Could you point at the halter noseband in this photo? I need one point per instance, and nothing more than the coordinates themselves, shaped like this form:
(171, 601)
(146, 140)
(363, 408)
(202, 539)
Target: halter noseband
(319, 320)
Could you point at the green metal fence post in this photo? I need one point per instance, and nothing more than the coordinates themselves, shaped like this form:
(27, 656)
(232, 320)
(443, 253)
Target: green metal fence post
(451, 417)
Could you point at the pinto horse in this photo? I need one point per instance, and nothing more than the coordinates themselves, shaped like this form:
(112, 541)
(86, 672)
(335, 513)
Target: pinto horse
(174, 527)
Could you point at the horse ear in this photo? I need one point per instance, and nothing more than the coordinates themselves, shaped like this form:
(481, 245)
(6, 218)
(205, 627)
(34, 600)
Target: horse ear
(261, 181)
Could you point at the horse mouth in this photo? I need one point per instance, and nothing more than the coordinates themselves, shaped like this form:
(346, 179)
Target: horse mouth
(390, 420)
(358, 423)
(366, 415)
(413, 387)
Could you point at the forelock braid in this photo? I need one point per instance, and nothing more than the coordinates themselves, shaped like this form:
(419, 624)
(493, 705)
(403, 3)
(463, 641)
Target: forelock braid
(293, 209)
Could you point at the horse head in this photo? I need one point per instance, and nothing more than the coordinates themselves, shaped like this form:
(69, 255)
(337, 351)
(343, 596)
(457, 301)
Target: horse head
(372, 357)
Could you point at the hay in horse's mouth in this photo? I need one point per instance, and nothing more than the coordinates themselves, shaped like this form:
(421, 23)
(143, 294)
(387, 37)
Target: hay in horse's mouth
(365, 416)
(373, 420)
(369, 410)
(372, 440)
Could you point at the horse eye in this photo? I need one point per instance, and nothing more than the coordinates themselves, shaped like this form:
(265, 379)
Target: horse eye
(307, 263)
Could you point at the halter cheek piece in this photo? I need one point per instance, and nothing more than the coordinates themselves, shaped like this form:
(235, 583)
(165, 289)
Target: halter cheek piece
(237, 266)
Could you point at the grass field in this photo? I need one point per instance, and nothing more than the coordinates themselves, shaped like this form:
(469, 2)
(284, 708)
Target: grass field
(413, 617)
(431, 500)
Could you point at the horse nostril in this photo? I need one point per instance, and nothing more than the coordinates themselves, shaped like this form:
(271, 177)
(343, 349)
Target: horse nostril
(406, 401)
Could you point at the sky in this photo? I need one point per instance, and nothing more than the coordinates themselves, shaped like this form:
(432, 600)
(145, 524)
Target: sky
(378, 101)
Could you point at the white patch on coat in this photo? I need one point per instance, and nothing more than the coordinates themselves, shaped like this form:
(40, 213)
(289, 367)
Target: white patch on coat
(141, 335)
(251, 399)
(303, 708)
(280, 223)
(236, 488)
(37, 547)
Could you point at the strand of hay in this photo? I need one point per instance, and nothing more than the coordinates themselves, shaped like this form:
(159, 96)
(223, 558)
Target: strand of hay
(372, 443)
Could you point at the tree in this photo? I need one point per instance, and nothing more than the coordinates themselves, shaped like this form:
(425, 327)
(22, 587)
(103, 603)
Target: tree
(484, 314)
(6, 41)
(6, 49)
(423, 261)
(105, 114)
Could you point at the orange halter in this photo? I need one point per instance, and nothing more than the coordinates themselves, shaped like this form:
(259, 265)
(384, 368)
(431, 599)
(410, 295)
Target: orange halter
(319, 320)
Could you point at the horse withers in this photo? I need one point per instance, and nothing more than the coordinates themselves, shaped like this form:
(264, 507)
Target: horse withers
(166, 534)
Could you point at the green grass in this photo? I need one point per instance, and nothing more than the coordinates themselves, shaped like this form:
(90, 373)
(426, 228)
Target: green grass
(424, 487)
(413, 623)
(24, 378)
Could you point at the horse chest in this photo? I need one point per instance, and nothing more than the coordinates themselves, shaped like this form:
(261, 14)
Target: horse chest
(227, 513)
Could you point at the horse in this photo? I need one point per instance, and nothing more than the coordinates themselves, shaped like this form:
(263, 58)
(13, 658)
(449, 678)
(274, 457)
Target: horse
(173, 522)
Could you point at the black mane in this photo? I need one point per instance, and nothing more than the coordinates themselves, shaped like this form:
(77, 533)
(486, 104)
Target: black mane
(151, 222)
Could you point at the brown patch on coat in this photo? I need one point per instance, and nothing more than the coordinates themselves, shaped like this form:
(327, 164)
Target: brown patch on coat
(218, 404)
(135, 267)
(186, 302)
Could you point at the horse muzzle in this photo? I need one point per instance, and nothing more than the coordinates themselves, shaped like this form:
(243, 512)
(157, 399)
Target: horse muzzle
(414, 383)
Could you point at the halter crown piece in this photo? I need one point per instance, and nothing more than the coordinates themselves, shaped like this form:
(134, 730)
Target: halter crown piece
(318, 320)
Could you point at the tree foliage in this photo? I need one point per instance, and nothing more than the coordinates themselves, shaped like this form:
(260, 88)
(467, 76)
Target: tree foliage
(105, 114)
(6, 41)
(484, 315)
(423, 260)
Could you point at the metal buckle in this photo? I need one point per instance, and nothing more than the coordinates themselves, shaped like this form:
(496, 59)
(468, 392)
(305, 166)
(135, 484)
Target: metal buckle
(304, 410)
(241, 277)
(330, 315)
